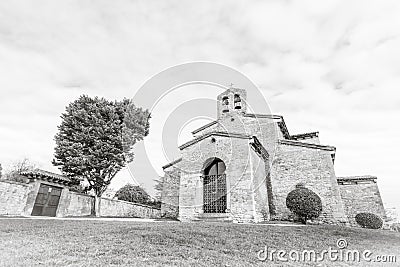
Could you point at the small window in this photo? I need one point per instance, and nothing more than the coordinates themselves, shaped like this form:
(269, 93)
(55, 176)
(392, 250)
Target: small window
(225, 102)
(237, 98)
(237, 101)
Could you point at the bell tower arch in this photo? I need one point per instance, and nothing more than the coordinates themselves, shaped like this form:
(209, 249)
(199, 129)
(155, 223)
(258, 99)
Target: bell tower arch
(232, 101)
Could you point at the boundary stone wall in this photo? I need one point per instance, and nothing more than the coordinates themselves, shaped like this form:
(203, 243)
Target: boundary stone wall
(13, 197)
(77, 205)
(119, 208)
(17, 199)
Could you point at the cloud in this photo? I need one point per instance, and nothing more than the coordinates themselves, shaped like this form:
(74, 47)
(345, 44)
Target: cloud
(331, 66)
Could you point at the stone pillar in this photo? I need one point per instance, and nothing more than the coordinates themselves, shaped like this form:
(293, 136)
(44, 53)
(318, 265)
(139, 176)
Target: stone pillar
(30, 201)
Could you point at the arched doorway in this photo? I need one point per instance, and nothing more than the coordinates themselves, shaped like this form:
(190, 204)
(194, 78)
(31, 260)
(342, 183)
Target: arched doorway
(214, 186)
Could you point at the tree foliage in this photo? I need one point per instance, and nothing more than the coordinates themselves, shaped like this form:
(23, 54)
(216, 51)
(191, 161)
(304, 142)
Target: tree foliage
(96, 137)
(304, 203)
(133, 193)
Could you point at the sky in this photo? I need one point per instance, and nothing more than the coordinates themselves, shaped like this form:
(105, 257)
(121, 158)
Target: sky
(327, 66)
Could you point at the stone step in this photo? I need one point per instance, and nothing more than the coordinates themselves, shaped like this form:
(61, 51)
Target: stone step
(213, 220)
(213, 217)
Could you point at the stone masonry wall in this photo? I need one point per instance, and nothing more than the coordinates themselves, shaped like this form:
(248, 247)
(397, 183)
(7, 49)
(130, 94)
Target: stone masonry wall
(235, 153)
(17, 199)
(362, 197)
(247, 199)
(265, 129)
(170, 192)
(76, 205)
(13, 197)
(313, 168)
(259, 186)
(81, 205)
(119, 208)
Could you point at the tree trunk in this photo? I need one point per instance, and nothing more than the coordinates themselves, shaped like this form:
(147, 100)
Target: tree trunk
(96, 206)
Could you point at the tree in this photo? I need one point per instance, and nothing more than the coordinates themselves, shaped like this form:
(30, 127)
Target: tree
(304, 203)
(17, 167)
(22, 165)
(133, 193)
(95, 140)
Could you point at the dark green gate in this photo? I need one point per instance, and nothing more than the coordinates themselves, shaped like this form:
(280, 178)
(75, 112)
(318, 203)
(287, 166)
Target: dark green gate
(46, 202)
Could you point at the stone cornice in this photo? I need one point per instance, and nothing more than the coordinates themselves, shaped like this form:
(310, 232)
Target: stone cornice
(224, 134)
(171, 163)
(304, 136)
(204, 127)
(357, 178)
(307, 145)
(266, 116)
(284, 129)
(259, 148)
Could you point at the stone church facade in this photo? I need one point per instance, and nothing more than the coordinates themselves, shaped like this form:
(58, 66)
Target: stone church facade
(241, 167)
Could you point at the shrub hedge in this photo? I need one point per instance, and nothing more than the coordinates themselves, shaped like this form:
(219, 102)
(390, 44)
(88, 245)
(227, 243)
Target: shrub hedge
(304, 203)
(369, 220)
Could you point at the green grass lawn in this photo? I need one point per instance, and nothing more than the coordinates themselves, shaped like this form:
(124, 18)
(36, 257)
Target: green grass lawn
(26, 242)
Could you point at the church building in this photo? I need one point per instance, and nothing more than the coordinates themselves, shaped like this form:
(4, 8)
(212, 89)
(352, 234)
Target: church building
(241, 167)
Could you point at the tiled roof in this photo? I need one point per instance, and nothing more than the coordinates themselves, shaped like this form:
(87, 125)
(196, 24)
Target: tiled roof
(46, 175)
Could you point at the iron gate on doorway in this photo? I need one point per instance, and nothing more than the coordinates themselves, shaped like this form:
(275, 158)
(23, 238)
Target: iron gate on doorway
(214, 187)
(214, 193)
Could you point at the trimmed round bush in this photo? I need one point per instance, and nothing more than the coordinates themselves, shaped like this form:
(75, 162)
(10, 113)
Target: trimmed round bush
(304, 203)
(369, 220)
(133, 193)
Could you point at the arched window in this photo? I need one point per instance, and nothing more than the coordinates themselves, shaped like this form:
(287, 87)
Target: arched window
(216, 167)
